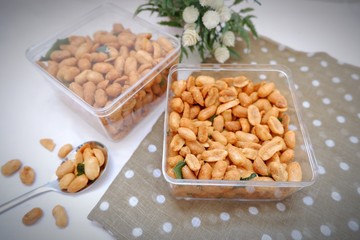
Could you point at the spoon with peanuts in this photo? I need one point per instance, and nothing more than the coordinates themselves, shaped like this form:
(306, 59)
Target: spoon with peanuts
(79, 170)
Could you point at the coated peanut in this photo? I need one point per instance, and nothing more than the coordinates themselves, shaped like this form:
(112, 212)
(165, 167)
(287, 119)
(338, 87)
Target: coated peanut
(65, 181)
(275, 125)
(92, 168)
(187, 134)
(254, 115)
(60, 215)
(187, 173)
(289, 139)
(278, 172)
(206, 113)
(232, 174)
(47, 143)
(99, 154)
(260, 167)
(177, 143)
(32, 216)
(205, 172)
(270, 148)
(192, 161)
(294, 172)
(10, 167)
(219, 170)
(214, 155)
(66, 167)
(78, 183)
(27, 175)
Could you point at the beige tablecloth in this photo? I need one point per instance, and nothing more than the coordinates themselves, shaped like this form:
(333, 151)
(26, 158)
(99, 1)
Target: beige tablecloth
(138, 205)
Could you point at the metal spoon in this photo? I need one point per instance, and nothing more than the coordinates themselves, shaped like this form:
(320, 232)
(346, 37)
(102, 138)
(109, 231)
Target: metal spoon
(53, 184)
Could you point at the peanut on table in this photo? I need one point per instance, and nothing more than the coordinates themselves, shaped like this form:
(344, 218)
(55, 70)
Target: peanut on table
(230, 129)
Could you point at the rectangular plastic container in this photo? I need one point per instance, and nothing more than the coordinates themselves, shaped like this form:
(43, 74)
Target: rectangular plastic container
(244, 190)
(128, 88)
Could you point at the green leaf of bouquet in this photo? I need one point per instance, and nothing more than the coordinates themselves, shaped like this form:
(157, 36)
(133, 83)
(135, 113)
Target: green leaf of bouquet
(170, 23)
(201, 51)
(235, 20)
(234, 53)
(250, 25)
(244, 35)
(257, 2)
(237, 2)
(190, 2)
(183, 52)
(152, 10)
(245, 10)
(143, 7)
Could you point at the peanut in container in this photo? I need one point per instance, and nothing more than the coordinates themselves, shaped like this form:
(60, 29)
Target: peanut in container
(235, 132)
(109, 67)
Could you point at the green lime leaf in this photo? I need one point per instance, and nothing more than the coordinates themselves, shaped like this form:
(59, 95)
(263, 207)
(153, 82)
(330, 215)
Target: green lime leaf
(103, 49)
(54, 47)
(177, 169)
(80, 169)
(253, 175)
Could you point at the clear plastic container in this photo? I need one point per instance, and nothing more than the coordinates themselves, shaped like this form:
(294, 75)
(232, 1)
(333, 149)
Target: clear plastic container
(243, 190)
(138, 90)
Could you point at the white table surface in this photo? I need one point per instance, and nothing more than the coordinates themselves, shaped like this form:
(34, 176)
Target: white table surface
(30, 111)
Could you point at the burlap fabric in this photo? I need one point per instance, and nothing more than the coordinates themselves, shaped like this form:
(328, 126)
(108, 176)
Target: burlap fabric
(138, 204)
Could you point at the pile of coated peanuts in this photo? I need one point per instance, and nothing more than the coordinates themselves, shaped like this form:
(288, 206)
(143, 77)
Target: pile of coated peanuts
(101, 68)
(92, 160)
(230, 129)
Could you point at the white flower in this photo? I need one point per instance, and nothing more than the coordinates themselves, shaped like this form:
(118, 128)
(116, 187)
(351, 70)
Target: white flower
(228, 39)
(216, 45)
(190, 14)
(225, 13)
(190, 26)
(214, 4)
(211, 19)
(204, 3)
(221, 54)
(190, 37)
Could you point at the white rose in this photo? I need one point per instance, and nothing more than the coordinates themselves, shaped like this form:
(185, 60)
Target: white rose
(190, 37)
(216, 45)
(211, 19)
(215, 4)
(228, 39)
(204, 3)
(225, 13)
(221, 54)
(190, 26)
(190, 14)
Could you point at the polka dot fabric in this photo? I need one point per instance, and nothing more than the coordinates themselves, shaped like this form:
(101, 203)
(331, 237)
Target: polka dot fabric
(138, 205)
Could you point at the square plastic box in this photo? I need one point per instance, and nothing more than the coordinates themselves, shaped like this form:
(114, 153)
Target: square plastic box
(118, 99)
(244, 190)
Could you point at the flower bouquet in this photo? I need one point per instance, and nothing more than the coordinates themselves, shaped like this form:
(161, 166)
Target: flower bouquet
(209, 26)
